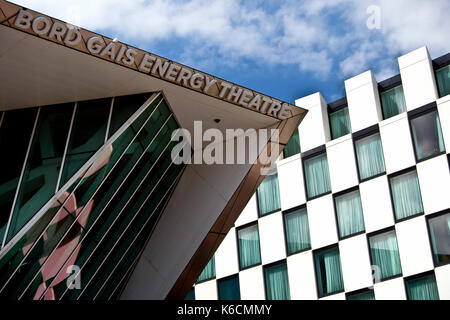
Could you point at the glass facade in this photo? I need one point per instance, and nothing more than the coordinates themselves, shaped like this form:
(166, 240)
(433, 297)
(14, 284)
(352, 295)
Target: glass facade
(340, 123)
(268, 195)
(328, 271)
(393, 102)
(102, 219)
(349, 213)
(369, 154)
(406, 195)
(384, 254)
(228, 288)
(296, 228)
(248, 245)
(427, 135)
(293, 145)
(439, 227)
(317, 176)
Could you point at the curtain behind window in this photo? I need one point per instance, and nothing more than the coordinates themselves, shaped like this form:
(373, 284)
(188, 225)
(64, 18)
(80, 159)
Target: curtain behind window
(406, 195)
(393, 102)
(349, 213)
(370, 156)
(340, 123)
(269, 195)
(249, 252)
(366, 295)
(384, 252)
(427, 135)
(297, 231)
(277, 283)
(209, 272)
(329, 273)
(443, 80)
(317, 175)
(293, 146)
(423, 288)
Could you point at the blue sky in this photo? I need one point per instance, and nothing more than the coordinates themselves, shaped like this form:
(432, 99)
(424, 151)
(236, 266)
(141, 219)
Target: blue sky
(286, 49)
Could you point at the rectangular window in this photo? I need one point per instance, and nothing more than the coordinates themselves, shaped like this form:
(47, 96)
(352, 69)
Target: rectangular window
(277, 282)
(369, 154)
(361, 295)
(328, 271)
(443, 80)
(248, 245)
(427, 135)
(317, 176)
(406, 195)
(229, 288)
(268, 195)
(209, 272)
(340, 123)
(393, 102)
(349, 213)
(384, 254)
(439, 227)
(422, 288)
(293, 146)
(297, 231)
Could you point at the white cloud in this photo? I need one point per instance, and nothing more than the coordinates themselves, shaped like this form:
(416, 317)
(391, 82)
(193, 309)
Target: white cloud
(317, 36)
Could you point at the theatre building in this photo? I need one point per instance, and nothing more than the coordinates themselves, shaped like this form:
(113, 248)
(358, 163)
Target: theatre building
(347, 200)
(359, 206)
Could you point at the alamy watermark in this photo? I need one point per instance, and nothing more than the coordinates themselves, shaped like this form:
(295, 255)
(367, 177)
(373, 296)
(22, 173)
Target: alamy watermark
(235, 146)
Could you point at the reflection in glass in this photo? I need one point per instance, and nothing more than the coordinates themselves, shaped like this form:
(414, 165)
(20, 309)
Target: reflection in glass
(440, 238)
(18, 124)
(88, 134)
(427, 135)
(384, 253)
(443, 80)
(44, 161)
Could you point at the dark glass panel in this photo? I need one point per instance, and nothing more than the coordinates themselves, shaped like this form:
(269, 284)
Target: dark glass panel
(124, 108)
(293, 145)
(440, 238)
(88, 134)
(229, 288)
(427, 135)
(15, 135)
(43, 165)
